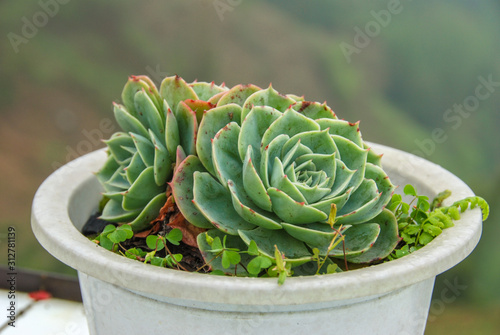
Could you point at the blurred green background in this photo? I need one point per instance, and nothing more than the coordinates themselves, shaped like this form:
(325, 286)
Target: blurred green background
(421, 76)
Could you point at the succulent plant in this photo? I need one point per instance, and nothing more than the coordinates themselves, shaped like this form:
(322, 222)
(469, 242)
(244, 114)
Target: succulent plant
(284, 172)
(158, 127)
(254, 178)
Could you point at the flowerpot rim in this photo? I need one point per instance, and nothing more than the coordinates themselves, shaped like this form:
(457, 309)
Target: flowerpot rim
(53, 227)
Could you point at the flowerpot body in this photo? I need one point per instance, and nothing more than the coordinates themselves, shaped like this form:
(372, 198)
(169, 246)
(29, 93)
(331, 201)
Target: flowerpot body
(123, 296)
(402, 311)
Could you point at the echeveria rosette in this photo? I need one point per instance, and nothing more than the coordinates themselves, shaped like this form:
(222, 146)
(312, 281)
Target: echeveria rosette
(269, 167)
(158, 128)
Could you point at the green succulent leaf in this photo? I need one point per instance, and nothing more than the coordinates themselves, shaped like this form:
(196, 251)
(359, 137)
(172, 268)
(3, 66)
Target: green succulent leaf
(149, 115)
(384, 185)
(314, 110)
(145, 148)
(114, 212)
(127, 122)
(343, 129)
(226, 160)
(134, 168)
(142, 191)
(199, 107)
(238, 95)
(205, 91)
(372, 157)
(117, 145)
(384, 244)
(322, 162)
(289, 123)
(188, 127)
(174, 90)
(117, 181)
(108, 169)
(149, 212)
(316, 235)
(253, 184)
(256, 123)
(269, 153)
(292, 211)
(358, 208)
(343, 177)
(214, 100)
(318, 141)
(353, 156)
(162, 163)
(281, 182)
(212, 122)
(251, 213)
(172, 137)
(326, 203)
(134, 85)
(267, 240)
(214, 202)
(267, 97)
(182, 190)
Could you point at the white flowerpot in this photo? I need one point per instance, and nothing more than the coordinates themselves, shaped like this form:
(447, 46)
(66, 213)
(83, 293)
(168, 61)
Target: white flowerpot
(123, 296)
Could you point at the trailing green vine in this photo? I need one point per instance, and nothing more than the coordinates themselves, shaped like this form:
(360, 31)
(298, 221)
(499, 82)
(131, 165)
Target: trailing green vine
(427, 220)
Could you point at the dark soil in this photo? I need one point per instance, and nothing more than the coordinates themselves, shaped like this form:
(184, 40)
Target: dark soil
(94, 225)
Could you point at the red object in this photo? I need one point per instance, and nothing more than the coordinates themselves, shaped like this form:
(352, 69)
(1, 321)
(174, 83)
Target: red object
(40, 295)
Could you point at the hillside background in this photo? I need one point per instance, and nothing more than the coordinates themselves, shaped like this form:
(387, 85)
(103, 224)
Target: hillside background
(61, 66)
